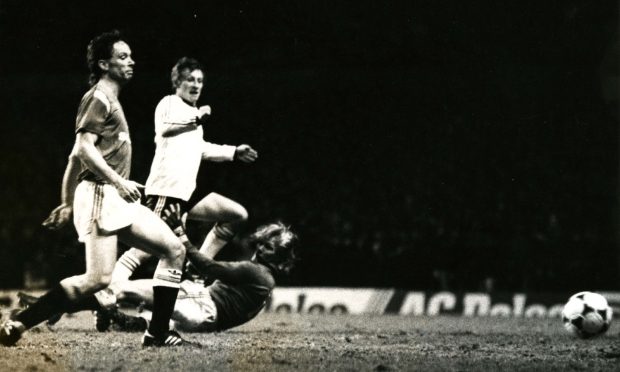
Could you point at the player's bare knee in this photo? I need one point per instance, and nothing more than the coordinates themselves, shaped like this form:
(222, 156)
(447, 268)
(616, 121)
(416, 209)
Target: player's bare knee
(237, 214)
(105, 280)
(241, 214)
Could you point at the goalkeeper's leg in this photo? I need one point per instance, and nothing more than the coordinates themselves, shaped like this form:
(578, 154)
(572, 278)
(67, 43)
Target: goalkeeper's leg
(229, 215)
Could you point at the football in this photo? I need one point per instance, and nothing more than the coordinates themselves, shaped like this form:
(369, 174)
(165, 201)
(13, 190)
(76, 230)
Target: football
(587, 314)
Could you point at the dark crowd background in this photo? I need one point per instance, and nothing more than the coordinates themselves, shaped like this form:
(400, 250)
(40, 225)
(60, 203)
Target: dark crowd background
(428, 144)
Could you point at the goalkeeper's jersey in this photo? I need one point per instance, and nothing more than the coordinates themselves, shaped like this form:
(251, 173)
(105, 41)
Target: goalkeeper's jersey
(238, 303)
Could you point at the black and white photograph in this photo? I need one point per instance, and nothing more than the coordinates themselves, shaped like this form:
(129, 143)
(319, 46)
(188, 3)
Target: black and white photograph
(310, 185)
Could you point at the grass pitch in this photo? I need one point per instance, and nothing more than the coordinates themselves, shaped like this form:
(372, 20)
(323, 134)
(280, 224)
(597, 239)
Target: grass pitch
(294, 342)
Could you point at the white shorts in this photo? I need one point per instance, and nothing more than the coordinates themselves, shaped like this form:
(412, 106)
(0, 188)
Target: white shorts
(194, 310)
(100, 205)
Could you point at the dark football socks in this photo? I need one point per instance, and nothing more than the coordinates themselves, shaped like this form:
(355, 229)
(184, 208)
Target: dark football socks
(164, 299)
(54, 302)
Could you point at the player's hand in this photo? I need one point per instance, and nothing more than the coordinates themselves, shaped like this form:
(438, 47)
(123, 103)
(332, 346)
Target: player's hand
(246, 154)
(129, 190)
(172, 216)
(58, 217)
(205, 113)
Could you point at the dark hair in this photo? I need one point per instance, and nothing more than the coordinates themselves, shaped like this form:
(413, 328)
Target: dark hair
(185, 63)
(100, 47)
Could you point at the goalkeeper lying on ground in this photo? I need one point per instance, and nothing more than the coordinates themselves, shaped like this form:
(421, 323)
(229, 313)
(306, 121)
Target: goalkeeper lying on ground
(240, 288)
(236, 296)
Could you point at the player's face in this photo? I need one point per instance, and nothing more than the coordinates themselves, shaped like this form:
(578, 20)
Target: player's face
(190, 86)
(120, 65)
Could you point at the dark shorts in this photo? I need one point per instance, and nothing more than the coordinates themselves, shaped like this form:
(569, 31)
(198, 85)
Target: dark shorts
(158, 204)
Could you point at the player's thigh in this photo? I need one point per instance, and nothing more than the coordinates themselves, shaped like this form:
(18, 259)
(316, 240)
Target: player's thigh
(101, 253)
(149, 233)
(190, 315)
(215, 207)
(137, 291)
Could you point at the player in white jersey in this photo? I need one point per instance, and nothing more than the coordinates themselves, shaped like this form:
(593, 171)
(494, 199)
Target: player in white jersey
(180, 148)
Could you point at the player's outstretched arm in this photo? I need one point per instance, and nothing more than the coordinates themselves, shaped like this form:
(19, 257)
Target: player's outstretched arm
(220, 153)
(62, 214)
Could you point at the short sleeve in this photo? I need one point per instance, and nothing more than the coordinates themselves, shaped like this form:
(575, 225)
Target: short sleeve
(93, 113)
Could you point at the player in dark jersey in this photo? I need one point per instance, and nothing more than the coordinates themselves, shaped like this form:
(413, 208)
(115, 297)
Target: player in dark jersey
(236, 296)
(105, 205)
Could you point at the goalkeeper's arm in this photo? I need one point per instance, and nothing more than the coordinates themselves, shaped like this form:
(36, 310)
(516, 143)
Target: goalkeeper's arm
(229, 272)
